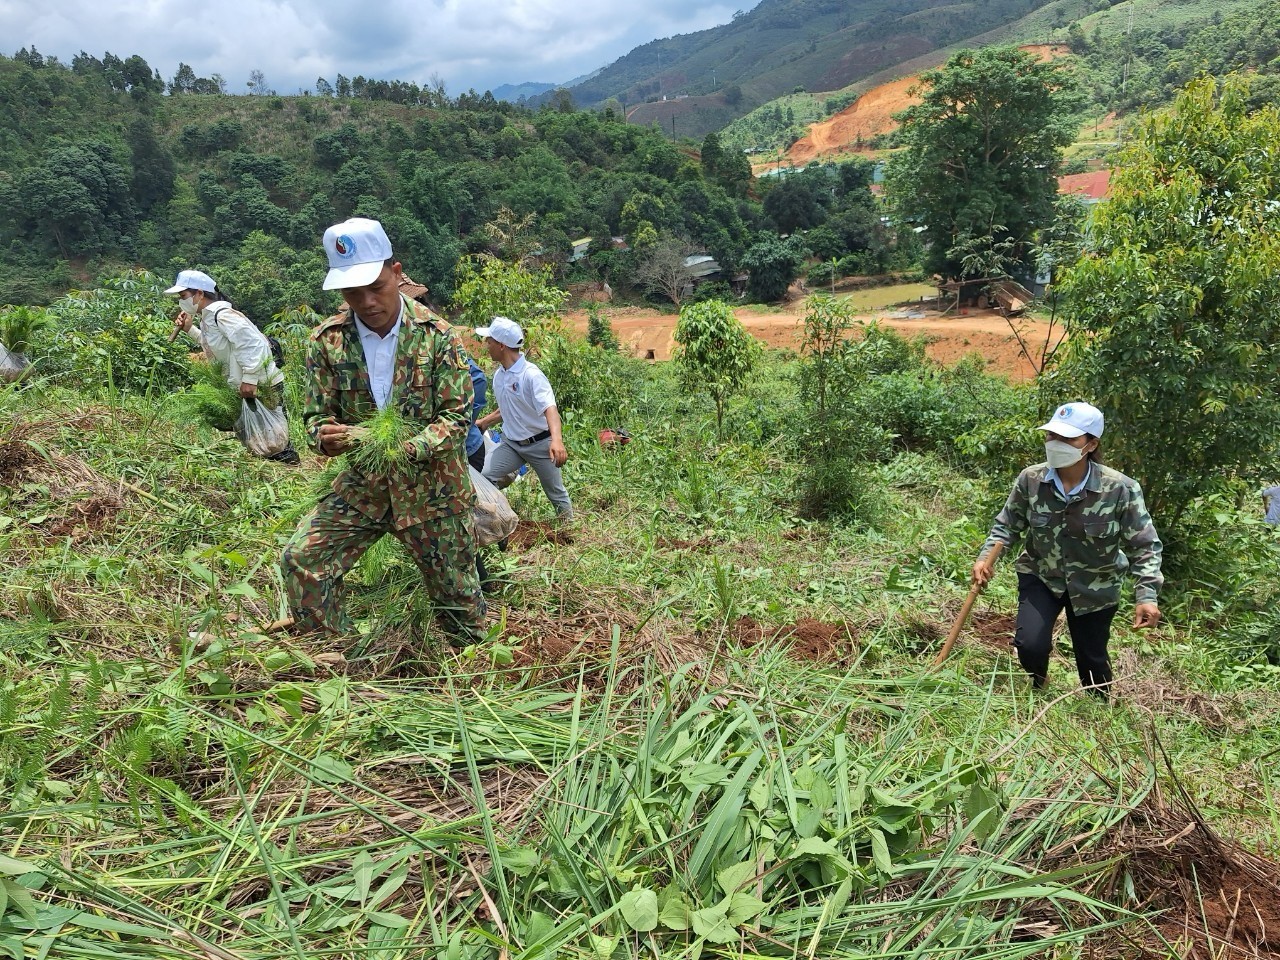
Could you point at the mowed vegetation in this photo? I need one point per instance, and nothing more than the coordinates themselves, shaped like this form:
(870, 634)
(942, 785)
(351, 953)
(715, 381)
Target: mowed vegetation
(705, 722)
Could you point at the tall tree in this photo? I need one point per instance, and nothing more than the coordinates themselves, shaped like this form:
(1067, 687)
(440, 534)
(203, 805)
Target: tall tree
(982, 152)
(1175, 327)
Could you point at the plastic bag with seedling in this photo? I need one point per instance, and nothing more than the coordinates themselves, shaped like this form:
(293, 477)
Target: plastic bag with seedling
(494, 518)
(264, 430)
(378, 443)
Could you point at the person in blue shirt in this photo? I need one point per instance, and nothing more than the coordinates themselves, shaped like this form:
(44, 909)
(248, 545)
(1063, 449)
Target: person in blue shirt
(1271, 500)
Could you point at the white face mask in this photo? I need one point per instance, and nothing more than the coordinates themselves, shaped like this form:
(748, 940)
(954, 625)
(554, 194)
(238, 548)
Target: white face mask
(1059, 454)
(188, 304)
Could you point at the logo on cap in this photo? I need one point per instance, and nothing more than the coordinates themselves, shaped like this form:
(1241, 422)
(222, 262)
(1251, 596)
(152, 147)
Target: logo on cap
(1064, 413)
(345, 247)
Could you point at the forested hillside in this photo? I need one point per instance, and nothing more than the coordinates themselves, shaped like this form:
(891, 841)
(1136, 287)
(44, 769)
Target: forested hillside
(782, 45)
(1130, 55)
(100, 167)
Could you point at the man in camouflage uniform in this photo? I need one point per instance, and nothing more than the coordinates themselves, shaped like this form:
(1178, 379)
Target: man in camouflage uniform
(1086, 524)
(385, 348)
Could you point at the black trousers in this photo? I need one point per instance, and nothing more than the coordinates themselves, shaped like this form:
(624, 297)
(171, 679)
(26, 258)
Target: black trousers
(1038, 609)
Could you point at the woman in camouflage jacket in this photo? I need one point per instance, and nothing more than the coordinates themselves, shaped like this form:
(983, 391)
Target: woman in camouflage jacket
(1085, 525)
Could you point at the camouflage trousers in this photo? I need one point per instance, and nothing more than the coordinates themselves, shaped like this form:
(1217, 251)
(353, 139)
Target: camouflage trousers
(334, 535)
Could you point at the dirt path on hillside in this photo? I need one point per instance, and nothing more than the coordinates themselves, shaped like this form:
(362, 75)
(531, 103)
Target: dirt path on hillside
(872, 114)
(650, 333)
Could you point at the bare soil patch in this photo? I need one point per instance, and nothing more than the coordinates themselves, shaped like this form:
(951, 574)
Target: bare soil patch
(807, 639)
(530, 533)
(994, 630)
(649, 333)
(867, 117)
(86, 518)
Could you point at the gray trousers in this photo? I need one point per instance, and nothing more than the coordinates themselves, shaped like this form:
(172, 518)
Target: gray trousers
(507, 458)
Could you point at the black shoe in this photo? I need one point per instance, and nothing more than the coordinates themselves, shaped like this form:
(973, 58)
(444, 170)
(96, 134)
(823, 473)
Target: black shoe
(288, 456)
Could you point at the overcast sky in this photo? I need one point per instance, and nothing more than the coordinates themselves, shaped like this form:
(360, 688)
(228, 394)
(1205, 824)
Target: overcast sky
(470, 43)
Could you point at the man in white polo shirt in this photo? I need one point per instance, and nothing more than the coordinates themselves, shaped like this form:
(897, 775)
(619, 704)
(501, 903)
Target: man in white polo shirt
(531, 430)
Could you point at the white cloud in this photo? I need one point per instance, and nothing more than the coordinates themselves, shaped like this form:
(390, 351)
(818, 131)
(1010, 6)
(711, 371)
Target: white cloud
(470, 43)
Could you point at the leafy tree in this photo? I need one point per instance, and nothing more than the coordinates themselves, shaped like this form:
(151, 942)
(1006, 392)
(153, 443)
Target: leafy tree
(600, 330)
(265, 277)
(1175, 328)
(982, 151)
(153, 168)
(714, 351)
(488, 288)
(773, 263)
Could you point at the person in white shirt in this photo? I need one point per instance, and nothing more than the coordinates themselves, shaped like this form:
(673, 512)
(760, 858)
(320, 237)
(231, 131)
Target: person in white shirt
(228, 338)
(531, 428)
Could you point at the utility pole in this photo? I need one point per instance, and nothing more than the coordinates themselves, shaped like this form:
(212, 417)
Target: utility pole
(673, 126)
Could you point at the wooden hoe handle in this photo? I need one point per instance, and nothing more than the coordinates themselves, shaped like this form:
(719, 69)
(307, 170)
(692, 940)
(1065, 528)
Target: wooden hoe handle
(963, 617)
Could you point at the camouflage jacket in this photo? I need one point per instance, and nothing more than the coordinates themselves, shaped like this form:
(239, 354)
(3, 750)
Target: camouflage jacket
(1083, 545)
(431, 385)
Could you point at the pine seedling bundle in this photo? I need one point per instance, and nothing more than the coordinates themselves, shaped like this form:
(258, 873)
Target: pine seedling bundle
(214, 401)
(210, 399)
(379, 442)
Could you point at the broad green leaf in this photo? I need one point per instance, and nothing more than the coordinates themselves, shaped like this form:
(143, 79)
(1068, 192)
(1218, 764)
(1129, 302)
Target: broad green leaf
(10, 867)
(703, 775)
(22, 901)
(326, 768)
(816, 847)
(731, 878)
(12, 947)
(713, 923)
(603, 947)
(880, 852)
(821, 796)
(676, 915)
(392, 921)
(640, 909)
(521, 861)
(743, 906)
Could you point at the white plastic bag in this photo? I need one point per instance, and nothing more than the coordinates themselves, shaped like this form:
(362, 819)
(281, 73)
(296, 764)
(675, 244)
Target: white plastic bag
(495, 520)
(263, 430)
(13, 366)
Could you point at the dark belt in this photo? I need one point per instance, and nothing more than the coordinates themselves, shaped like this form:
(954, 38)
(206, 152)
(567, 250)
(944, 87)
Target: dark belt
(534, 439)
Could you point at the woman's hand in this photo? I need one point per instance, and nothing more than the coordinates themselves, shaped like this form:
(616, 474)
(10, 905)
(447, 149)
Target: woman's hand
(248, 390)
(182, 321)
(1145, 616)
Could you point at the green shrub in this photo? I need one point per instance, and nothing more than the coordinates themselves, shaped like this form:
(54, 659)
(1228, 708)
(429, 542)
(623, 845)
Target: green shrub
(115, 338)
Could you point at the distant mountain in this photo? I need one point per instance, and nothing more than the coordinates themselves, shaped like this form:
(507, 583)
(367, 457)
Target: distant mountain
(512, 92)
(781, 46)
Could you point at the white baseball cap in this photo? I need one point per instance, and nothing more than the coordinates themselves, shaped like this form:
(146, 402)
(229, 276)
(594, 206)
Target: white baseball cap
(1074, 420)
(506, 332)
(193, 280)
(357, 249)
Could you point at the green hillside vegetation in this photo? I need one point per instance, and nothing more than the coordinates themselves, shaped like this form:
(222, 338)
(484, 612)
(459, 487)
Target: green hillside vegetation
(705, 725)
(1131, 55)
(706, 720)
(100, 172)
(781, 46)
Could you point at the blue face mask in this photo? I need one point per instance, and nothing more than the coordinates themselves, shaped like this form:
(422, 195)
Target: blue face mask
(1059, 454)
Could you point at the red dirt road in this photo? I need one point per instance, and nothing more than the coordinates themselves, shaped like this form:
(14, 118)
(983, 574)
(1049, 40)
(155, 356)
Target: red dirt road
(948, 338)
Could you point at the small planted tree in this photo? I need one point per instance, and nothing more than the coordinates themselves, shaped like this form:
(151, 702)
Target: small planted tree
(714, 351)
(1175, 327)
(600, 330)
